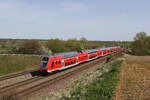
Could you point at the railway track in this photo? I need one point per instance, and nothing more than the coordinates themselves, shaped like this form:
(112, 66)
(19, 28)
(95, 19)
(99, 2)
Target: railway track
(19, 84)
(16, 75)
(57, 79)
(43, 84)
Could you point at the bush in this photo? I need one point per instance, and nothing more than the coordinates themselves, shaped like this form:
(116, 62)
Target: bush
(73, 45)
(56, 45)
(28, 47)
(141, 44)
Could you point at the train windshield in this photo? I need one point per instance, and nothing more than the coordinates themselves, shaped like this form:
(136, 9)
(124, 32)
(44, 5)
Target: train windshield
(44, 62)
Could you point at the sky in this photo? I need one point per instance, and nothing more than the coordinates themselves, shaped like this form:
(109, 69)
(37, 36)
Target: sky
(103, 20)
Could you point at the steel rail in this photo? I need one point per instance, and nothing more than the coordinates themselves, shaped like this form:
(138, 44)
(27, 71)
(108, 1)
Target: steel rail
(19, 84)
(16, 75)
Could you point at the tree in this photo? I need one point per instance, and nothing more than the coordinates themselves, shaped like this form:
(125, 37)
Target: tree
(140, 36)
(141, 44)
(84, 43)
(56, 45)
(73, 45)
(28, 47)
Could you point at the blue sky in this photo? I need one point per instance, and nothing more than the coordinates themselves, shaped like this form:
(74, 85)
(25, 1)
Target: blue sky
(64, 19)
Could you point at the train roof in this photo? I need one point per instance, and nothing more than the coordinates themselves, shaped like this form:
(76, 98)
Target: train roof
(109, 48)
(63, 55)
(89, 51)
(103, 48)
(93, 50)
(74, 53)
(67, 54)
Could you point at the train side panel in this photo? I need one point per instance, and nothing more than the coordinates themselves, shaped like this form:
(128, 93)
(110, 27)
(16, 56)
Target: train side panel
(68, 62)
(82, 57)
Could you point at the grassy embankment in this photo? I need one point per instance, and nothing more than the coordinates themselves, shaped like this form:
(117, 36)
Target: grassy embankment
(11, 64)
(101, 88)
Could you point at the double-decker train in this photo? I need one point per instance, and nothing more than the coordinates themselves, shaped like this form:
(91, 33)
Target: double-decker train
(66, 60)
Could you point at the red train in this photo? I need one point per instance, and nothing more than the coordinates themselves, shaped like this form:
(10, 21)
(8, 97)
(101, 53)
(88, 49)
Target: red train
(66, 60)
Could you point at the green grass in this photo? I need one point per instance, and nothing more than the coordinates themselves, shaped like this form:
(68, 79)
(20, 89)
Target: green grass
(102, 88)
(11, 64)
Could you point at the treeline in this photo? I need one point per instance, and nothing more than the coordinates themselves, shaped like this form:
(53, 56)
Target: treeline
(55, 46)
(27, 47)
(141, 44)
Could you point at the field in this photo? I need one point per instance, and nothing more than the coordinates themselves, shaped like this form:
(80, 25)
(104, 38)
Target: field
(11, 64)
(134, 81)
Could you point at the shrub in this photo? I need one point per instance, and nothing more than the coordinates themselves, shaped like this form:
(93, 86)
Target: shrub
(141, 44)
(56, 45)
(28, 47)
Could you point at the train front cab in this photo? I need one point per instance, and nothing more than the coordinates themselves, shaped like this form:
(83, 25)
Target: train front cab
(50, 64)
(43, 66)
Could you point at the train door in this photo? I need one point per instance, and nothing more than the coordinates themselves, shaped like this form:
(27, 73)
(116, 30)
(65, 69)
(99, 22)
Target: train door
(63, 63)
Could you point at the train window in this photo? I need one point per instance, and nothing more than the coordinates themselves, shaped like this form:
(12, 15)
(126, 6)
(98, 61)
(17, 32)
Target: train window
(56, 62)
(45, 59)
(59, 62)
(53, 64)
(44, 62)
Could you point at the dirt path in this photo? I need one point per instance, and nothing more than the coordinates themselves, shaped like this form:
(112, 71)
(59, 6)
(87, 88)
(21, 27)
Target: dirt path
(134, 83)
